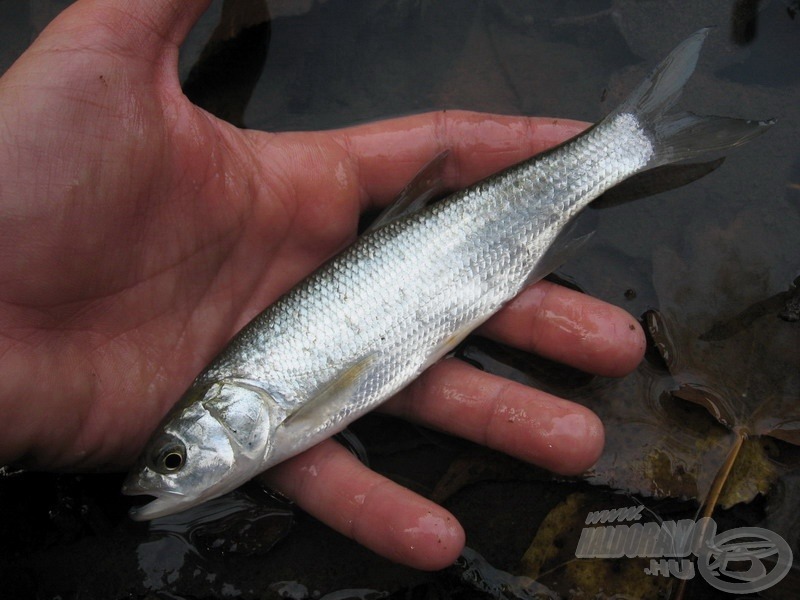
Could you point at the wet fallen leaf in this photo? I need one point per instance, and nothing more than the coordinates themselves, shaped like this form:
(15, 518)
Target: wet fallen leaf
(551, 560)
(744, 369)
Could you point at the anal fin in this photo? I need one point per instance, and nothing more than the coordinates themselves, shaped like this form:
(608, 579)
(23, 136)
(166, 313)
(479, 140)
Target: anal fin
(565, 247)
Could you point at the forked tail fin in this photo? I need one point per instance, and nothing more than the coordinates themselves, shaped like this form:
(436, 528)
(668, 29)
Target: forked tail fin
(678, 136)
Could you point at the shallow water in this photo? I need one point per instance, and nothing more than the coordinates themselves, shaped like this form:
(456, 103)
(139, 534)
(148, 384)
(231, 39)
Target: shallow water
(701, 256)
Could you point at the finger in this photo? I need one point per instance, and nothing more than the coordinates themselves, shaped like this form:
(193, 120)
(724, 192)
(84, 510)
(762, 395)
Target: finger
(387, 154)
(366, 166)
(570, 327)
(536, 427)
(330, 483)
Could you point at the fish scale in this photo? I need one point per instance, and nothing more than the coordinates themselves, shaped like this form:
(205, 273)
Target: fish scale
(374, 317)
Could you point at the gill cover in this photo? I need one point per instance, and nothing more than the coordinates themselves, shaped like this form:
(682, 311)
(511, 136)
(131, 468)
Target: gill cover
(241, 407)
(212, 442)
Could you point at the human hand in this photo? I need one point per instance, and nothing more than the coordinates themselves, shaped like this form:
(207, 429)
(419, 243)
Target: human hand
(138, 233)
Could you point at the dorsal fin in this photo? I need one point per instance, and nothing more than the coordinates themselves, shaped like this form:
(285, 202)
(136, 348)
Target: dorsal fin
(424, 186)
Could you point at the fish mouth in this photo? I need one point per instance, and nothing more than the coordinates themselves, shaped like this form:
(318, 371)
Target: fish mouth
(159, 507)
(164, 502)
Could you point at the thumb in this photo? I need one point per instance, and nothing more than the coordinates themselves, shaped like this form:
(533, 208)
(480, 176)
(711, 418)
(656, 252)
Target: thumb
(151, 30)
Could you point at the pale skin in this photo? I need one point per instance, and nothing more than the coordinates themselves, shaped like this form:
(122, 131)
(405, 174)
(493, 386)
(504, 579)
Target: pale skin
(138, 233)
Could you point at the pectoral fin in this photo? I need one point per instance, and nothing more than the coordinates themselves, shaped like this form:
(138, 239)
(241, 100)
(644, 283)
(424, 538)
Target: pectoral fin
(333, 397)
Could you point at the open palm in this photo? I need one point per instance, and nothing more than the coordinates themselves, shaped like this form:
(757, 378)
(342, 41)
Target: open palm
(138, 233)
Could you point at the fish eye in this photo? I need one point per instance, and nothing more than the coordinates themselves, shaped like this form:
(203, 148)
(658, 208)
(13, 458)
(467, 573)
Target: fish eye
(170, 458)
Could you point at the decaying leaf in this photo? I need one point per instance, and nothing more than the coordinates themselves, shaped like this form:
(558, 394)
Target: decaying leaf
(722, 331)
(551, 559)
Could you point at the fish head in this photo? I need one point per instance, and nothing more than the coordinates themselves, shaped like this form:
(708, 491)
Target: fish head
(209, 444)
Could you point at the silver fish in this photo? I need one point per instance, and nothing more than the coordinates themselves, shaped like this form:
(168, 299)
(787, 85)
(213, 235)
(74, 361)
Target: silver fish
(373, 318)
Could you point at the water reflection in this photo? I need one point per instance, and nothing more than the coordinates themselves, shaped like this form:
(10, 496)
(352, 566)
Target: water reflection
(186, 546)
